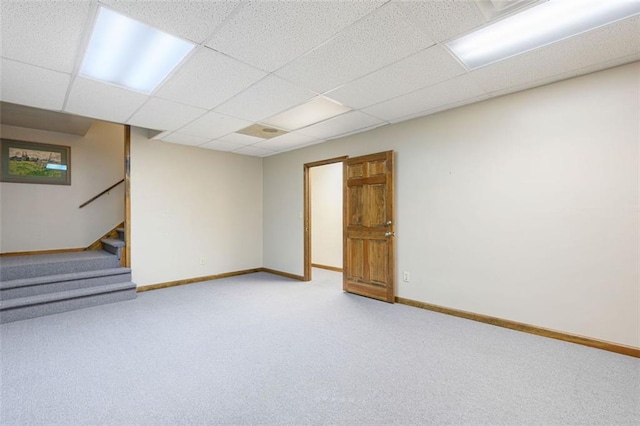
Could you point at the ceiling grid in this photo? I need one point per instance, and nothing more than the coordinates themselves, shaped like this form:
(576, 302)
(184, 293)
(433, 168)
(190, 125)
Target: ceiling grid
(387, 61)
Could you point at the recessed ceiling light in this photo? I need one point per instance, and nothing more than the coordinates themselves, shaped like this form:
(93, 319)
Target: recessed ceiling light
(128, 53)
(538, 26)
(316, 110)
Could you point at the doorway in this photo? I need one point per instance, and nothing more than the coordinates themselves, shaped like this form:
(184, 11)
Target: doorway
(323, 194)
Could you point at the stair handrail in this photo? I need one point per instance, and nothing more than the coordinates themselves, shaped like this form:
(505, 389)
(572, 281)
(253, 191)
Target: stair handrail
(100, 194)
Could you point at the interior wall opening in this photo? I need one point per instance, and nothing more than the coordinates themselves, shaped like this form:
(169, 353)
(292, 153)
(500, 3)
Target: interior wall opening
(326, 216)
(323, 215)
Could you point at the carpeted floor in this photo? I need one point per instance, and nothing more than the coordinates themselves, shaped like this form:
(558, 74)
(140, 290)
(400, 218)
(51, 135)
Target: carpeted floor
(261, 349)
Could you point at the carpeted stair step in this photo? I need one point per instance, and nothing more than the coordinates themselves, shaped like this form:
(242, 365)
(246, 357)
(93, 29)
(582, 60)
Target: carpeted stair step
(113, 246)
(20, 267)
(120, 233)
(47, 304)
(63, 282)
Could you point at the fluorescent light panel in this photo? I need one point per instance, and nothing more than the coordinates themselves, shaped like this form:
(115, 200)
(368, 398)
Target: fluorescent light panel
(316, 110)
(131, 54)
(538, 26)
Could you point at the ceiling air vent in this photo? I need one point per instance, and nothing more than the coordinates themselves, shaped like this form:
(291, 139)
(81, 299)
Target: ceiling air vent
(261, 131)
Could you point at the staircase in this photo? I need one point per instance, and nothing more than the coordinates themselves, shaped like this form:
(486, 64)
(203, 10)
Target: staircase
(114, 245)
(37, 285)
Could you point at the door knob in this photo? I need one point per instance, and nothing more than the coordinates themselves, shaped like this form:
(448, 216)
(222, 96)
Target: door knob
(389, 234)
(388, 223)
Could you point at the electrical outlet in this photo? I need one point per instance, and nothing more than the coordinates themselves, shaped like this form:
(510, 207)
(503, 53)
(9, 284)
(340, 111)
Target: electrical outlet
(202, 260)
(405, 277)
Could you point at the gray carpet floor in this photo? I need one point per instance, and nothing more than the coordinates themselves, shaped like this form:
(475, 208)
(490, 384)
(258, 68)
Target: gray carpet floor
(261, 349)
(48, 258)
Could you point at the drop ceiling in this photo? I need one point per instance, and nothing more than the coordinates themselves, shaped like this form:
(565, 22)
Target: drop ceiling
(42, 119)
(385, 60)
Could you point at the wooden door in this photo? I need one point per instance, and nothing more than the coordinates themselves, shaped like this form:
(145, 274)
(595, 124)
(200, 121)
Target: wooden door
(369, 256)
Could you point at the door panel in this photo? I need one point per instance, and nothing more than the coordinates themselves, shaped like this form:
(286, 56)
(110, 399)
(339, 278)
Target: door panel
(356, 171)
(369, 256)
(376, 168)
(356, 206)
(378, 255)
(376, 208)
(355, 253)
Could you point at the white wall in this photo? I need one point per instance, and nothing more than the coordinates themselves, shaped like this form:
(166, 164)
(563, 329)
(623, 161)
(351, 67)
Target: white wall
(50, 213)
(523, 207)
(189, 203)
(326, 214)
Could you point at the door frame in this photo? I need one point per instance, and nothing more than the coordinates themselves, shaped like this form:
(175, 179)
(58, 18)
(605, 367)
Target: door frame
(127, 195)
(306, 222)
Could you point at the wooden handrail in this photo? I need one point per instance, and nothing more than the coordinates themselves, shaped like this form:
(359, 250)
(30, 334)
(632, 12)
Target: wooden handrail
(101, 194)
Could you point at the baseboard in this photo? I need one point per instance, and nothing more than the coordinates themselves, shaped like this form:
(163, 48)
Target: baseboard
(35, 252)
(282, 274)
(527, 328)
(196, 280)
(216, 277)
(330, 268)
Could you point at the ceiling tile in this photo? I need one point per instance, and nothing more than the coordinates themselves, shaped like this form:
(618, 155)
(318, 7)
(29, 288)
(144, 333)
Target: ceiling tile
(98, 100)
(164, 115)
(423, 69)
(442, 108)
(441, 94)
(342, 124)
(193, 20)
(269, 34)
(207, 79)
(569, 74)
(44, 33)
(213, 125)
(265, 98)
(315, 142)
(28, 85)
(603, 44)
(444, 19)
(41, 119)
(383, 37)
(183, 139)
(253, 151)
(219, 145)
(240, 139)
(288, 141)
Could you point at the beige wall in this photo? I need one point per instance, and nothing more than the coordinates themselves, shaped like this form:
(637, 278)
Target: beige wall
(326, 214)
(188, 204)
(50, 213)
(523, 207)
